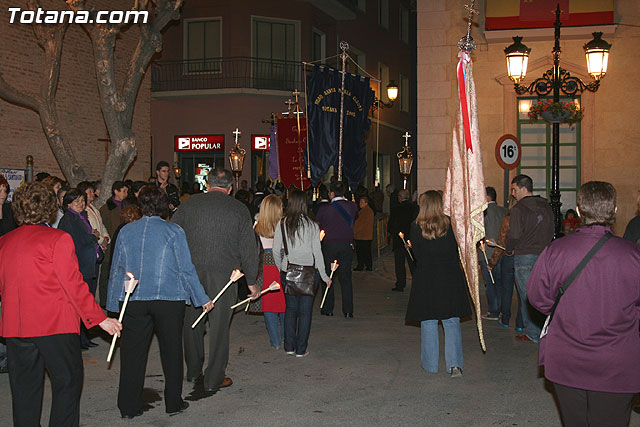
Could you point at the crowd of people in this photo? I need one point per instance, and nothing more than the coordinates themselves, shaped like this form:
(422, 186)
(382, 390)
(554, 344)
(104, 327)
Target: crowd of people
(183, 260)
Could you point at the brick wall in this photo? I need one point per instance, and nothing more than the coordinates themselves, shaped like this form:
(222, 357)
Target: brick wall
(79, 111)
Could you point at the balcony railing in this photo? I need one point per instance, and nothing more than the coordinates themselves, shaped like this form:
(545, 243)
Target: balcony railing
(226, 73)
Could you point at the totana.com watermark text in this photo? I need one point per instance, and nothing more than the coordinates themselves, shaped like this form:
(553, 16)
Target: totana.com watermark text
(41, 16)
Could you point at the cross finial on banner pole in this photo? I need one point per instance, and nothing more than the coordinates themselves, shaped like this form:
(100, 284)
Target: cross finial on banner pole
(237, 134)
(406, 137)
(295, 93)
(289, 103)
(467, 43)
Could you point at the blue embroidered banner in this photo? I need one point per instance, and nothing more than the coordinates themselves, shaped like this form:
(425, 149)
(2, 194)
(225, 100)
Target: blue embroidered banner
(324, 89)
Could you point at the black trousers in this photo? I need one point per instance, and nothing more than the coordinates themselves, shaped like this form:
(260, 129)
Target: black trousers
(141, 319)
(582, 408)
(400, 255)
(363, 253)
(342, 252)
(28, 358)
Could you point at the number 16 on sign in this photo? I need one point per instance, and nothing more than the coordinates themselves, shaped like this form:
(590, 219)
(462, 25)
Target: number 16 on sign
(508, 154)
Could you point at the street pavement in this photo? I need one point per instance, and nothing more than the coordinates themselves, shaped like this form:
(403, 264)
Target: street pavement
(363, 371)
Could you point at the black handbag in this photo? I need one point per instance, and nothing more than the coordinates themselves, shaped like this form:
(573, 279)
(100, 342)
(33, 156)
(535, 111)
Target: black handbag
(298, 280)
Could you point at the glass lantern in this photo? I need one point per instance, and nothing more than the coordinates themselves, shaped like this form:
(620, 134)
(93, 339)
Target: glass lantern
(597, 53)
(517, 60)
(405, 162)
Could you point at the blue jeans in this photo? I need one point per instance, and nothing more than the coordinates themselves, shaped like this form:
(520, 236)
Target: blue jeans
(271, 320)
(523, 264)
(297, 323)
(430, 353)
(494, 297)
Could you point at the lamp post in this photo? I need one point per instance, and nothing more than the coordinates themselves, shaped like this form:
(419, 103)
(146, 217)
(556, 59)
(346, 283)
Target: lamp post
(378, 104)
(236, 159)
(555, 80)
(405, 159)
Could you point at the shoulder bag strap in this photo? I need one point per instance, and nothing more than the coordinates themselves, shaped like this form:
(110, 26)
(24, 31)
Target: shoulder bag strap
(284, 238)
(578, 270)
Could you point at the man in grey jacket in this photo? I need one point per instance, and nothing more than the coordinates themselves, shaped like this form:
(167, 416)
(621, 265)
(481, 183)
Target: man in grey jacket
(221, 238)
(530, 231)
(492, 219)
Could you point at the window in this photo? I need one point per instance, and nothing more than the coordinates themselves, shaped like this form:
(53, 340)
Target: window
(535, 139)
(203, 45)
(404, 93)
(404, 24)
(318, 45)
(359, 58)
(383, 13)
(383, 74)
(275, 47)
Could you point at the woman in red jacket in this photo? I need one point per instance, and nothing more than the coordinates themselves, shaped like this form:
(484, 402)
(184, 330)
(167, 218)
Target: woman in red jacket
(43, 301)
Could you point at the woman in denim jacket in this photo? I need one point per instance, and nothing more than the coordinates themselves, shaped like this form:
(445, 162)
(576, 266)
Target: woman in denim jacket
(156, 253)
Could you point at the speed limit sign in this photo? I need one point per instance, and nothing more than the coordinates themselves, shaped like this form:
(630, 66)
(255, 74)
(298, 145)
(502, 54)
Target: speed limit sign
(508, 151)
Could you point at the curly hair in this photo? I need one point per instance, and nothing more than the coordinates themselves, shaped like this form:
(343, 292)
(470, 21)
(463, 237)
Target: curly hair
(130, 214)
(34, 203)
(153, 201)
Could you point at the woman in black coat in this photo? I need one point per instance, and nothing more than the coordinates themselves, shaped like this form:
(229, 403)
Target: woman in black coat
(7, 223)
(85, 239)
(438, 292)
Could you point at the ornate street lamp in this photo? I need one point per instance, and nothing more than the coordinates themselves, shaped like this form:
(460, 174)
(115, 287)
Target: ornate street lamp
(555, 80)
(392, 94)
(405, 159)
(236, 159)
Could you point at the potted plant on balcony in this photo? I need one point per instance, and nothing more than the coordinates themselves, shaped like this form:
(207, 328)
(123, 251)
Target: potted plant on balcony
(555, 112)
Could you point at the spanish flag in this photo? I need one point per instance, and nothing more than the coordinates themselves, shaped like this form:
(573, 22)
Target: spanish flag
(514, 14)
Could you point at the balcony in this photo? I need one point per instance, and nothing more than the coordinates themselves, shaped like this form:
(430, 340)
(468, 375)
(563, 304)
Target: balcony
(226, 73)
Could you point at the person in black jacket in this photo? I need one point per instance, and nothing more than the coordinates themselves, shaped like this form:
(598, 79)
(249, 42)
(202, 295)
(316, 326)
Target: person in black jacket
(632, 231)
(162, 181)
(85, 239)
(400, 221)
(7, 222)
(438, 291)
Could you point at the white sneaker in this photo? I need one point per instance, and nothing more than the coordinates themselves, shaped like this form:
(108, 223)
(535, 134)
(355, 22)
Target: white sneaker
(456, 372)
(306, 353)
(290, 353)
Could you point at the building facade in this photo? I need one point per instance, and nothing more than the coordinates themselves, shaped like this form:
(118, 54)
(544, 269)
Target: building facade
(228, 65)
(601, 147)
(77, 99)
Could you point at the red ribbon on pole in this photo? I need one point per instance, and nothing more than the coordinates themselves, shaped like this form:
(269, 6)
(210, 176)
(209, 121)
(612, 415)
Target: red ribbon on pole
(464, 105)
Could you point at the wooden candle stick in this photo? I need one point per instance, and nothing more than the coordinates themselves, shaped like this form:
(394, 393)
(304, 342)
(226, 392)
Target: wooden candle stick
(129, 286)
(334, 267)
(274, 286)
(235, 275)
(484, 252)
(401, 234)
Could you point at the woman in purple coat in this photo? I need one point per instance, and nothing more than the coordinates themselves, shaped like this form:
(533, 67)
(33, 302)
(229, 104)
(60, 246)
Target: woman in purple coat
(592, 346)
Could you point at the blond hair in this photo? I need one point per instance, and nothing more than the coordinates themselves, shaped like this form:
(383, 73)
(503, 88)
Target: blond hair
(270, 214)
(431, 218)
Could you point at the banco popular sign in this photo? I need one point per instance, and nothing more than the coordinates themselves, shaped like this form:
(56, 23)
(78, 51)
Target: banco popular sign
(198, 142)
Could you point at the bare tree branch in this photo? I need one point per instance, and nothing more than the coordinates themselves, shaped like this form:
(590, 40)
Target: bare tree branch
(149, 44)
(14, 96)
